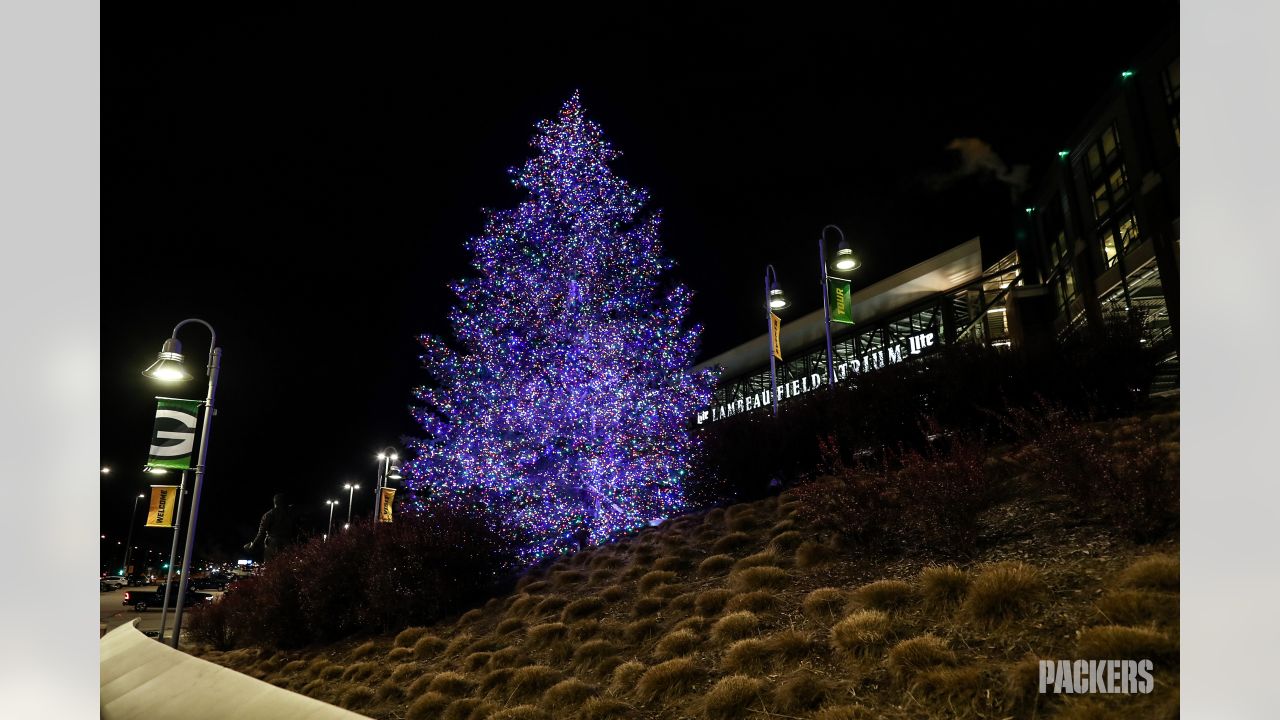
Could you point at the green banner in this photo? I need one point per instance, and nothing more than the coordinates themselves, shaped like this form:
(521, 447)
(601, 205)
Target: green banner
(840, 296)
(174, 437)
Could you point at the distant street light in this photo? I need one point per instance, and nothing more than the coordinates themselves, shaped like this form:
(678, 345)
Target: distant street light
(351, 492)
(129, 541)
(167, 368)
(106, 470)
(332, 504)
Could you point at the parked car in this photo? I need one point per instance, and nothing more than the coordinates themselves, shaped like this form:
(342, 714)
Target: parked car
(137, 579)
(211, 582)
(143, 599)
(115, 581)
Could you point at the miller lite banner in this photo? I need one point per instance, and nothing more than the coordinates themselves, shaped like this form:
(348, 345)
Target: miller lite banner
(164, 502)
(384, 504)
(174, 437)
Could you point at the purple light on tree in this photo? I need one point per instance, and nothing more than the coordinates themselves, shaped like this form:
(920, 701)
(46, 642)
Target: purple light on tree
(563, 400)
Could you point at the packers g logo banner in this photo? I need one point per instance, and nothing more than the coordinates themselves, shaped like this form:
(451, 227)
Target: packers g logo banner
(174, 437)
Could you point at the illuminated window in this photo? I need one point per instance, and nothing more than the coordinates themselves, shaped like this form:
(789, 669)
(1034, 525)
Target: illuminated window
(1109, 253)
(1119, 184)
(1094, 160)
(1110, 143)
(1100, 201)
(1128, 232)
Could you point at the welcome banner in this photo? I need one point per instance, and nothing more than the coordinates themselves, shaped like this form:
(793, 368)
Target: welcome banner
(384, 504)
(164, 500)
(174, 436)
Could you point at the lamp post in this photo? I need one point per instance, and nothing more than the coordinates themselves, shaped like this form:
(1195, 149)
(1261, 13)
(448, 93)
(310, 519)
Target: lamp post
(128, 543)
(332, 504)
(773, 300)
(844, 262)
(173, 554)
(385, 471)
(167, 368)
(351, 489)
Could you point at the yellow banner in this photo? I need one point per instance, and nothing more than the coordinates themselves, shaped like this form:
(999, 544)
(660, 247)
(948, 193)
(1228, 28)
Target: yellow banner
(164, 502)
(777, 335)
(384, 504)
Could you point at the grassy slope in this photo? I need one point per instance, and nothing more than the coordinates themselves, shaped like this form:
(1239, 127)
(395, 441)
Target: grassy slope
(745, 612)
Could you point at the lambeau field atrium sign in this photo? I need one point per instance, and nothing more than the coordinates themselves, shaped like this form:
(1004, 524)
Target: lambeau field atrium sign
(915, 345)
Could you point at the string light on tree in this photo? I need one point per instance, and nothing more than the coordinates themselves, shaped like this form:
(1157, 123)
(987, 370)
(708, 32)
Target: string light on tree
(562, 402)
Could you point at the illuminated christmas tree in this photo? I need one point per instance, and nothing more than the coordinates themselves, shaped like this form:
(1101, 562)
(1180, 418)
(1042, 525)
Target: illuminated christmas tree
(563, 401)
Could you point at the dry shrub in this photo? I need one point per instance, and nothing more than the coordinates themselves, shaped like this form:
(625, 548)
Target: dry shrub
(566, 696)
(696, 623)
(744, 522)
(531, 580)
(613, 593)
(715, 516)
(600, 577)
(476, 661)
(655, 578)
(567, 578)
(800, 692)
(332, 672)
(1115, 641)
(360, 671)
(1020, 688)
(584, 630)
(506, 657)
(604, 709)
(605, 561)
(468, 709)
(1157, 572)
(551, 604)
(786, 541)
(758, 578)
(592, 653)
(356, 697)
(641, 630)
(313, 688)
(668, 680)
(1137, 607)
(671, 563)
(420, 685)
(541, 636)
(459, 644)
(523, 604)
(729, 698)
(746, 656)
(782, 526)
(824, 605)
(963, 691)
(409, 636)
(404, 671)
(710, 602)
(730, 542)
(646, 606)
(469, 617)
(521, 712)
(496, 680)
(737, 509)
(862, 632)
(625, 676)
(452, 683)
(916, 654)
(734, 626)
(509, 625)
(790, 645)
(669, 591)
(427, 647)
(428, 707)
(293, 666)
(1002, 592)
(715, 565)
(760, 601)
(488, 643)
(943, 586)
(389, 691)
(885, 595)
(399, 654)
(811, 554)
(531, 681)
(683, 602)
(582, 607)
(676, 644)
(768, 557)
(845, 712)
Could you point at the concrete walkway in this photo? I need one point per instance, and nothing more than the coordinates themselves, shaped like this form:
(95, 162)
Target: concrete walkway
(141, 678)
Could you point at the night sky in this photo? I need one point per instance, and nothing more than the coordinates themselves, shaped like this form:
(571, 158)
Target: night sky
(304, 180)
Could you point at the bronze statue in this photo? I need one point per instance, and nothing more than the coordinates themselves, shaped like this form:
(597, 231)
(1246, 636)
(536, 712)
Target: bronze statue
(277, 530)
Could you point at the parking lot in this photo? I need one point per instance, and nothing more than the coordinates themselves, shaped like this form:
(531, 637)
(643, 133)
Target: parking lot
(113, 613)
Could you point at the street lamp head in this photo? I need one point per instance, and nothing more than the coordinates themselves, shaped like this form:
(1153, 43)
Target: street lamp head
(155, 470)
(845, 261)
(168, 365)
(394, 473)
(777, 300)
(106, 470)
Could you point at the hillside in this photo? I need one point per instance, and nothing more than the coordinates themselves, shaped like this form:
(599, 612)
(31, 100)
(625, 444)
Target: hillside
(746, 612)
